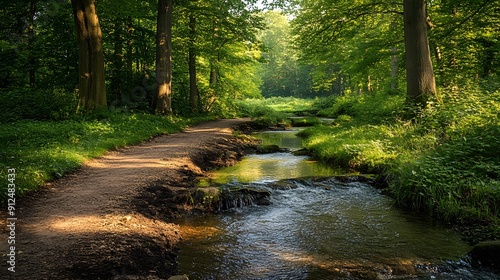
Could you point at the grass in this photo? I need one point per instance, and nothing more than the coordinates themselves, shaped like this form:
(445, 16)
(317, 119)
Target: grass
(278, 110)
(264, 115)
(289, 104)
(445, 162)
(41, 151)
(305, 121)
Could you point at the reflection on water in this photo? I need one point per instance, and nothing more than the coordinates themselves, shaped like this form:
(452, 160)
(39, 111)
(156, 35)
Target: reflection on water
(271, 167)
(321, 229)
(284, 139)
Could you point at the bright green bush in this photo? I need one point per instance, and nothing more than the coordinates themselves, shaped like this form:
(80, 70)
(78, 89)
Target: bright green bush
(375, 108)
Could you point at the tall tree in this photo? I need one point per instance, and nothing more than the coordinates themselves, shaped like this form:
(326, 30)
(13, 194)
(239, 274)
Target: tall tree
(163, 100)
(421, 85)
(193, 87)
(91, 86)
(117, 69)
(31, 43)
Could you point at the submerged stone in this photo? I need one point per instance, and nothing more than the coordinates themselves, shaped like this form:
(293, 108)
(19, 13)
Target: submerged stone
(268, 149)
(179, 277)
(487, 254)
(244, 195)
(264, 201)
(301, 152)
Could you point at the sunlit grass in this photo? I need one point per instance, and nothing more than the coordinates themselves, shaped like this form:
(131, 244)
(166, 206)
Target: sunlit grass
(41, 150)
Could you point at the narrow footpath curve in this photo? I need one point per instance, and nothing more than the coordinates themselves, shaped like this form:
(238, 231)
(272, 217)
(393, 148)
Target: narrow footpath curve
(110, 220)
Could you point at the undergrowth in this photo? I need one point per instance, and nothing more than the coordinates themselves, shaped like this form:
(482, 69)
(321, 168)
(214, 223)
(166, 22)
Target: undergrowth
(262, 114)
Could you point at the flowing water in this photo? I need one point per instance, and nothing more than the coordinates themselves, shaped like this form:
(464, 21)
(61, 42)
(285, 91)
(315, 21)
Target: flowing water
(316, 228)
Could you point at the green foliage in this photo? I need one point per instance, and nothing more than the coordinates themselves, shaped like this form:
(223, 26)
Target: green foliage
(42, 151)
(375, 108)
(350, 46)
(282, 74)
(365, 148)
(18, 104)
(262, 112)
(458, 180)
(288, 104)
(304, 121)
(467, 35)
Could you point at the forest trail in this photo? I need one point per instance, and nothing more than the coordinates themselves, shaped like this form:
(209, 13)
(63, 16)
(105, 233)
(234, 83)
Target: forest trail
(111, 218)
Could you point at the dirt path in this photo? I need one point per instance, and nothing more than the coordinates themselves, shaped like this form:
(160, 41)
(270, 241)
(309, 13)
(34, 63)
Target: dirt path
(110, 220)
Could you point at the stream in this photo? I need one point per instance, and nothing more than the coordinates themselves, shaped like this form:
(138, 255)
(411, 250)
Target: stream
(317, 227)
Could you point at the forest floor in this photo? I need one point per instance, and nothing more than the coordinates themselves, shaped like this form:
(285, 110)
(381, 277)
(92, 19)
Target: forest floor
(112, 218)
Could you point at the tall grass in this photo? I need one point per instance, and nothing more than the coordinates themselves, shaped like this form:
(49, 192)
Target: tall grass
(46, 150)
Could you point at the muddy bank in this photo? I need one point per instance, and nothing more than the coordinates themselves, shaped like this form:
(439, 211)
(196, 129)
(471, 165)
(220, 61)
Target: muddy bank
(111, 219)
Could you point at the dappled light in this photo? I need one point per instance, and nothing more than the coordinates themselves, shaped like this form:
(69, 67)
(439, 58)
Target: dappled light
(128, 223)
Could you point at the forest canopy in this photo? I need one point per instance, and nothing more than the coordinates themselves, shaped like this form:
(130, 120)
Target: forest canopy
(221, 51)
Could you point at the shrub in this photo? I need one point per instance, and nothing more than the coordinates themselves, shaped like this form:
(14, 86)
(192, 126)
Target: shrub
(19, 104)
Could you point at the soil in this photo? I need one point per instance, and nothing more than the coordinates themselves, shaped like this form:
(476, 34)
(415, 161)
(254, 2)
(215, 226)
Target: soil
(112, 218)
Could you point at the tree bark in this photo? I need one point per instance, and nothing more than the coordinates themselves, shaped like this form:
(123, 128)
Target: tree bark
(118, 63)
(193, 88)
(488, 58)
(130, 57)
(421, 84)
(213, 77)
(163, 101)
(91, 86)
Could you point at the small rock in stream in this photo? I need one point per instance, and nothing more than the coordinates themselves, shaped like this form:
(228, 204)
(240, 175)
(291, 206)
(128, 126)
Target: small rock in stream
(487, 254)
(179, 277)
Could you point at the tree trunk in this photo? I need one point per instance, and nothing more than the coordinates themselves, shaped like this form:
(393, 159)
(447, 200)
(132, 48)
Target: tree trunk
(118, 63)
(421, 85)
(340, 85)
(488, 58)
(213, 77)
(193, 88)
(163, 101)
(91, 86)
(31, 43)
(130, 57)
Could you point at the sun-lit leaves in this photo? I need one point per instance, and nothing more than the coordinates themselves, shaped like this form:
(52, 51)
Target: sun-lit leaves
(349, 41)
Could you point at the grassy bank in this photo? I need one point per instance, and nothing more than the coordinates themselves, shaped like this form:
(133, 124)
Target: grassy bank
(268, 112)
(45, 150)
(445, 162)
